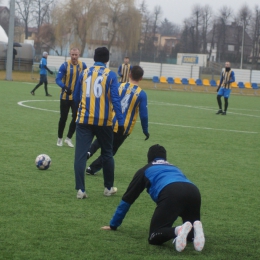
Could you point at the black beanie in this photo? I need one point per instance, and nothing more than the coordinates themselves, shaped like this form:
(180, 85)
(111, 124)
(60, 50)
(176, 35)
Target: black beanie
(101, 55)
(156, 151)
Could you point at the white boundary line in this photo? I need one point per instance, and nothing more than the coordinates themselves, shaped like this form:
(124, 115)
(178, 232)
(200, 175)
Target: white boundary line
(198, 107)
(21, 103)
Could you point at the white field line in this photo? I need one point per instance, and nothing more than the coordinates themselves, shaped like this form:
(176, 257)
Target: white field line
(21, 103)
(199, 107)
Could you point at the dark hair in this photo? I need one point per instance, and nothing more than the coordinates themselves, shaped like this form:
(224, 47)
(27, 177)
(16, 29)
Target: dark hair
(156, 151)
(137, 73)
(126, 57)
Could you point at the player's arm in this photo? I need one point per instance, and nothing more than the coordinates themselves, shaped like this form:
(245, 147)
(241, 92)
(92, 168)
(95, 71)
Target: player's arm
(115, 99)
(44, 65)
(133, 191)
(143, 113)
(232, 77)
(77, 90)
(220, 82)
(84, 65)
(119, 71)
(60, 75)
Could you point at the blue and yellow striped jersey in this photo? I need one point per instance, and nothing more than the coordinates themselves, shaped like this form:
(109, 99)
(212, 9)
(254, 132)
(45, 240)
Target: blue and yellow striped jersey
(96, 93)
(133, 101)
(67, 77)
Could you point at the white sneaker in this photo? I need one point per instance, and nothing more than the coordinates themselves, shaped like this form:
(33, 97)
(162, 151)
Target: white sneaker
(59, 142)
(81, 194)
(110, 192)
(181, 239)
(199, 239)
(68, 142)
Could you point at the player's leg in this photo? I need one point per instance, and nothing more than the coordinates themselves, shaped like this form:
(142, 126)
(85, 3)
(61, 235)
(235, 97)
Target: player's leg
(191, 213)
(104, 135)
(46, 86)
(38, 85)
(219, 95)
(226, 97)
(169, 207)
(96, 165)
(72, 126)
(64, 111)
(84, 137)
(118, 141)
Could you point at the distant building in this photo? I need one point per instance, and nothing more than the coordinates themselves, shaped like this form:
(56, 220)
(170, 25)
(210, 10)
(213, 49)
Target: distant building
(19, 35)
(225, 43)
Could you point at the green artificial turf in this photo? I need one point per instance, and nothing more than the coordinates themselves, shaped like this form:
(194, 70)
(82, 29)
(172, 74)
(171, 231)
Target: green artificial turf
(40, 217)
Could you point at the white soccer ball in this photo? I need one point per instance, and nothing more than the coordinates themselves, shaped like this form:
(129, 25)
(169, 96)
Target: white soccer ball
(43, 161)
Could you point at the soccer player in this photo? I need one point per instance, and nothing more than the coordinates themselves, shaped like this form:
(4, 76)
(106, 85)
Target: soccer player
(66, 79)
(43, 74)
(96, 92)
(175, 196)
(133, 101)
(124, 70)
(224, 88)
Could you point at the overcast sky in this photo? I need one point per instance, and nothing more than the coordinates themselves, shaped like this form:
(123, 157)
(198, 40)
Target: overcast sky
(177, 10)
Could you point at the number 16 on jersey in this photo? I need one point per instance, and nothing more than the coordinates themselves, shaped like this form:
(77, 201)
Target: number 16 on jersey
(96, 87)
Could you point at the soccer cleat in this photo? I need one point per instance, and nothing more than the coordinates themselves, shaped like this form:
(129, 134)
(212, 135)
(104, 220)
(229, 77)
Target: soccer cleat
(224, 113)
(68, 142)
(219, 112)
(32, 93)
(110, 192)
(88, 155)
(81, 194)
(59, 142)
(89, 171)
(181, 239)
(199, 239)
(48, 95)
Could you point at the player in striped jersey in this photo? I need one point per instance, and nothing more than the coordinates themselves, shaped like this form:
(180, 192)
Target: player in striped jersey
(133, 101)
(96, 92)
(124, 70)
(66, 79)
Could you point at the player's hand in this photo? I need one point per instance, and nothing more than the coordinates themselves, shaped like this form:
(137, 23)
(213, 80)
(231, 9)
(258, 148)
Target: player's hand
(51, 72)
(106, 228)
(218, 88)
(120, 130)
(147, 136)
(67, 91)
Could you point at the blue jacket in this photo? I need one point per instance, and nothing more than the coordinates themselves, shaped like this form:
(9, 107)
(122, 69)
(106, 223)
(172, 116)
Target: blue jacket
(154, 177)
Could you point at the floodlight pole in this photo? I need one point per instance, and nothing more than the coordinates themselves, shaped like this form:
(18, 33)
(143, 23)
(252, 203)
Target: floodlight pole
(9, 61)
(242, 47)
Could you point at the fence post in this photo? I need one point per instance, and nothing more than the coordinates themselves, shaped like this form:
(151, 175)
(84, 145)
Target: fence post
(191, 71)
(251, 76)
(161, 70)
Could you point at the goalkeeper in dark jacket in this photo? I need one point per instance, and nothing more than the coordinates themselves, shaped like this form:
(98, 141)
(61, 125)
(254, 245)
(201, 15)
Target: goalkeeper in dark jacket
(175, 197)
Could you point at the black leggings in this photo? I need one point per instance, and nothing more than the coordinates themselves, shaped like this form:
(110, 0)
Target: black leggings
(177, 199)
(220, 103)
(43, 80)
(65, 106)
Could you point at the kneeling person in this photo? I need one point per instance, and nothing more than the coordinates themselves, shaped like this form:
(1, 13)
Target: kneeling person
(175, 196)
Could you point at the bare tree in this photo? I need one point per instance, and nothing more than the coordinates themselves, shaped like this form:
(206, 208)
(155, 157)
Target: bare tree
(255, 27)
(197, 20)
(81, 14)
(207, 14)
(42, 10)
(24, 9)
(223, 20)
